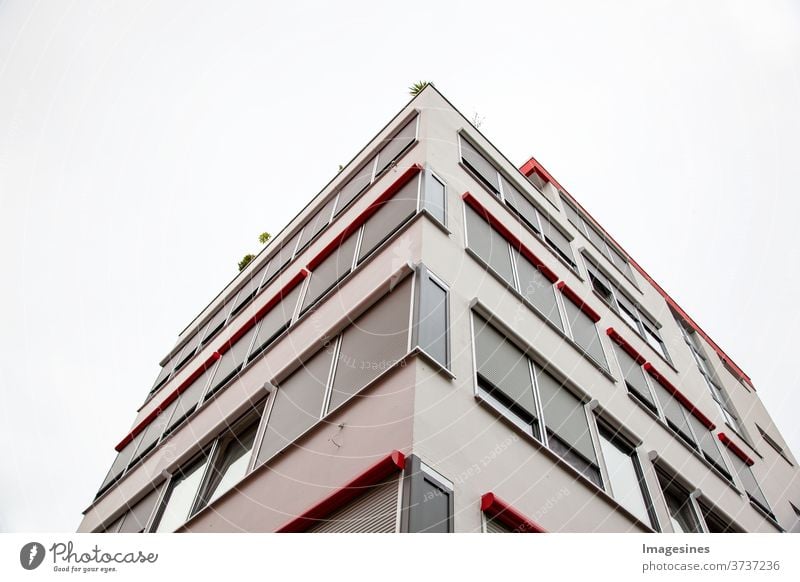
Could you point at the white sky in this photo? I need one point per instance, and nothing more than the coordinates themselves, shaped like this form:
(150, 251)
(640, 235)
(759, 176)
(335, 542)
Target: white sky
(144, 145)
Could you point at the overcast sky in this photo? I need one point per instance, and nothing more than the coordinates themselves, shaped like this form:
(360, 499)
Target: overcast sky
(144, 145)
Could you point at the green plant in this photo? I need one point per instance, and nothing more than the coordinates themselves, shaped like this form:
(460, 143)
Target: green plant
(417, 87)
(264, 237)
(246, 260)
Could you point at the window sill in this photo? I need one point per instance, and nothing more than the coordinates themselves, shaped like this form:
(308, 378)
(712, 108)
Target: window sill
(768, 517)
(520, 297)
(699, 456)
(636, 333)
(579, 477)
(433, 362)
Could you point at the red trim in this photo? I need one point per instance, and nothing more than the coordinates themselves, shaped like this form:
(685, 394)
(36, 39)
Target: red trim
(496, 508)
(473, 203)
(533, 165)
(580, 303)
(377, 473)
(629, 349)
(169, 398)
(735, 449)
(680, 396)
(393, 188)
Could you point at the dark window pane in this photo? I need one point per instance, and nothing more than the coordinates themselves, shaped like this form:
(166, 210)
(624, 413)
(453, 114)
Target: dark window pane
(136, 519)
(164, 374)
(432, 330)
(330, 271)
(674, 413)
(538, 290)
(298, 404)
(628, 312)
(596, 238)
(435, 201)
(749, 481)
(584, 332)
(280, 260)
(231, 362)
(521, 205)
(216, 323)
(564, 415)
(681, 512)
(506, 369)
(275, 321)
(489, 245)
(557, 240)
(480, 166)
(122, 460)
(188, 399)
(708, 444)
(572, 214)
(634, 376)
(397, 145)
(355, 186)
(390, 216)
(374, 343)
(246, 293)
(154, 430)
(433, 513)
(316, 223)
(190, 348)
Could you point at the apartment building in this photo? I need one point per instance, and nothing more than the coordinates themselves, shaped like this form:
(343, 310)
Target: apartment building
(441, 341)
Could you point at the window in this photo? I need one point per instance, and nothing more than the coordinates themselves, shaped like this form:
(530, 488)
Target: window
(512, 383)
(427, 499)
(610, 291)
(231, 362)
(715, 523)
(497, 253)
(521, 206)
(435, 199)
(332, 270)
(709, 375)
(432, 320)
(316, 224)
(396, 146)
(216, 323)
(247, 293)
(634, 378)
(209, 475)
(626, 481)
(680, 506)
(374, 343)
(121, 462)
(188, 400)
(774, 444)
(374, 511)
(584, 332)
(280, 259)
(275, 322)
(489, 245)
(750, 484)
(355, 185)
(598, 239)
(390, 216)
(189, 348)
(138, 516)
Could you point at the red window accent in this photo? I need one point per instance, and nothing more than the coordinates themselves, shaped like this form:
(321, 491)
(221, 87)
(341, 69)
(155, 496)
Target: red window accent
(533, 165)
(169, 398)
(497, 509)
(735, 449)
(374, 475)
(393, 189)
(629, 349)
(680, 396)
(580, 303)
(509, 236)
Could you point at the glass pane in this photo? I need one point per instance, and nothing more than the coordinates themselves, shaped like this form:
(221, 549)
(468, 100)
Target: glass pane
(154, 430)
(316, 223)
(432, 330)
(122, 460)
(330, 271)
(708, 444)
(628, 312)
(275, 321)
(480, 166)
(189, 349)
(355, 186)
(188, 400)
(674, 413)
(596, 238)
(216, 323)
(634, 376)
(506, 369)
(572, 214)
(557, 240)
(537, 289)
(298, 404)
(523, 207)
(489, 245)
(231, 362)
(163, 374)
(246, 293)
(137, 517)
(392, 214)
(564, 414)
(435, 200)
(653, 338)
(749, 482)
(624, 477)
(374, 343)
(280, 260)
(231, 462)
(681, 513)
(394, 148)
(180, 497)
(433, 513)
(584, 332)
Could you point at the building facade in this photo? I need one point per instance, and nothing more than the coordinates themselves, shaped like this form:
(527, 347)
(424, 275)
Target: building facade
(441, 341)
